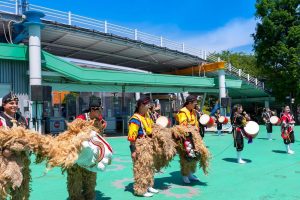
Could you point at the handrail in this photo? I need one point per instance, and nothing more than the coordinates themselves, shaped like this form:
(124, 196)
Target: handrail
(103, 26)
(238, 73)
(12, 6)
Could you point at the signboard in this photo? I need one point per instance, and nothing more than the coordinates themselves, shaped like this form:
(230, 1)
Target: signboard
(55, 125)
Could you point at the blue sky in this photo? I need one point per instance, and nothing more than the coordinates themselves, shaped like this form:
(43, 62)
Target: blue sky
(212, 25)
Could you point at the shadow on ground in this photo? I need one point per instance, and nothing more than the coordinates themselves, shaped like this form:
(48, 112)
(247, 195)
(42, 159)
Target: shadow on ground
(99, 196)
(234, 160)
(279, 151)
(166, 182)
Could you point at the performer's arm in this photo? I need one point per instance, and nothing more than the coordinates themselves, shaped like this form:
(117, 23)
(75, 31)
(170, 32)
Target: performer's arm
(103, 122)
(132, 150)
(264, 118)
(246, 116)
(133, 129)
(81, 117)
(284, 122)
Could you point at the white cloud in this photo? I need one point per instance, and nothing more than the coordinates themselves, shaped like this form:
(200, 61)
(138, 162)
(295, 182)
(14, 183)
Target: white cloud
(234, 34)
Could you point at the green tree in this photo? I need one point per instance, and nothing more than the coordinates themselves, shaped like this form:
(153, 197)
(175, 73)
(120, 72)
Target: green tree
(246, 62)
(277, 45)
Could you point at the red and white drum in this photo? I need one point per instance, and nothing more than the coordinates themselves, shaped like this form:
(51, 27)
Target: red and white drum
(207, 120)
(223, 120)
(162, 121)
(275, 120)
(251, 129)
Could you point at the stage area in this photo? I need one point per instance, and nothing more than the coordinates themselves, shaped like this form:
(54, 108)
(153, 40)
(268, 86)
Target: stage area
(270, 173)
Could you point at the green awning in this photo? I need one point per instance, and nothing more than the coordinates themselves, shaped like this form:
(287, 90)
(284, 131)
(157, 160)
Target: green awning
(107, 77)
(128, 88)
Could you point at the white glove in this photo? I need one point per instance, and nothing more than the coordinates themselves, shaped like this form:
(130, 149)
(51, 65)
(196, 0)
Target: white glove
(96, 153)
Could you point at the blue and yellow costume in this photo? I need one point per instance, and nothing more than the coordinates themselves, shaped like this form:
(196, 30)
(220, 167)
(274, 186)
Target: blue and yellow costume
(139, 126)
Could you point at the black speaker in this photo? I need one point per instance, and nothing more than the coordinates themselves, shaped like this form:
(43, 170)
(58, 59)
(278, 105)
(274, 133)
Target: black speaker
(225, 102)
(41, 93)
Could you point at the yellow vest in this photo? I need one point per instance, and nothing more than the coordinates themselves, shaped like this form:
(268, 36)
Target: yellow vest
(185, 117)
(134, 130)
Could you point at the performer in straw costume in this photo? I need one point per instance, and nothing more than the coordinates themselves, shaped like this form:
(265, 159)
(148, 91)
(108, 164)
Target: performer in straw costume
(82, 182)
(140, 126)
(9, 118)
(188, 116)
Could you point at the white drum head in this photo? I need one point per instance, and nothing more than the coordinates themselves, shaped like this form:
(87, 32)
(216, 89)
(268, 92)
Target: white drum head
(221, 119)
(204, 119)
(162, 121)
(252, 128)
(274, 120)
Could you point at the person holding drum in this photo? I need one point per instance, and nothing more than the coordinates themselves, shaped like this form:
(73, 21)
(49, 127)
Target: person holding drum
(240, 119)
(287, 129)
(154, 112)
(219, 124)
(201, 127)
(140, 125)
(85, 179)
(188, 116)
(266, 116)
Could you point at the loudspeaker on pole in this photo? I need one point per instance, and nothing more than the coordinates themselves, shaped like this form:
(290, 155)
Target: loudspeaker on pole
(225, 102)
(41, 93)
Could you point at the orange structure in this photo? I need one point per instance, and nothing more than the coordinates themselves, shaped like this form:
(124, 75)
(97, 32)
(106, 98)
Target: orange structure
(59, 96)
(208, 67)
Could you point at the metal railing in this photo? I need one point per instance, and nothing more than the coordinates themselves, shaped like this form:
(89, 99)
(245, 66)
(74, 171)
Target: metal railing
(14, 7)
(238, 73)
(9, 6)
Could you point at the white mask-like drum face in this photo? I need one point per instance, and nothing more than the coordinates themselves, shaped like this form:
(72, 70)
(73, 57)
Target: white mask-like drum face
(96, 153)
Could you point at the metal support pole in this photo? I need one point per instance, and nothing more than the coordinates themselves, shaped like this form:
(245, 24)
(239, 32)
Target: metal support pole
(135, 34)
(69, 18)
(203, 101)
(267, 104)
(34, 26)
(222, 87)
(24, 5)
(137, 96)
(17, 7)
(105, 26)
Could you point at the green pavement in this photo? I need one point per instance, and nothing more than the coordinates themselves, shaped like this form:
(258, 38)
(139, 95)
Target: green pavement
(270, 174)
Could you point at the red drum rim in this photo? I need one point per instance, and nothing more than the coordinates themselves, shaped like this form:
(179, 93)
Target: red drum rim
(252, 128)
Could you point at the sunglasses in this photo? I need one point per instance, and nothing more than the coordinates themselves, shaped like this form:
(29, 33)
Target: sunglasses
(95, 108)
